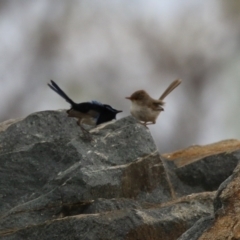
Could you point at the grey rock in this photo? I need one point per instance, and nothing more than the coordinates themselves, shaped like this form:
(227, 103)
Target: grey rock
(225, 224)
(178, 187)
(217, 203)
(208, 173)
(48, 170)
(157, 222)
(197, 229)
(56, 184)
(102, 205)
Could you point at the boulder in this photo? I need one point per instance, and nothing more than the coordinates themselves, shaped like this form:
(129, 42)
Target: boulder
(49, 170)
(201, 168)
(156, 221)
(56, 183)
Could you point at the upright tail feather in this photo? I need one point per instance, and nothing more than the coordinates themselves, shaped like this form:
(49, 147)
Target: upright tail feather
(171, 87)
(59, 91)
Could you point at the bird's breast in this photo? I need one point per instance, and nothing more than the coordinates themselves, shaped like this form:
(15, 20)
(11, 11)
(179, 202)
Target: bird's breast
(143, 112)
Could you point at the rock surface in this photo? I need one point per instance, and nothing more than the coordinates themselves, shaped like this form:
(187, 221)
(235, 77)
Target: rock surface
(56, 184)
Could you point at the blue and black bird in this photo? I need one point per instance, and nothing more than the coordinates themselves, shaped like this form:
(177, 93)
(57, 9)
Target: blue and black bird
(91, 113)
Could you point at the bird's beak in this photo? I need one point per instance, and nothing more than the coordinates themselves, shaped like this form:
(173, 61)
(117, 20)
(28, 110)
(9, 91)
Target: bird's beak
(129, 98)
(118, 111)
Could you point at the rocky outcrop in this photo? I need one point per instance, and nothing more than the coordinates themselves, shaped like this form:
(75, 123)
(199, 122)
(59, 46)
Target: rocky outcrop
(56, 184)
(226, 221)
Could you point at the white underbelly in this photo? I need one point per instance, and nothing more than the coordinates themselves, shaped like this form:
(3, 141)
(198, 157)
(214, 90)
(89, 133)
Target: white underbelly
(144, 113)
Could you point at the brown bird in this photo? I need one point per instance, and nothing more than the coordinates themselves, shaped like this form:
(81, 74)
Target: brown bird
(147, 109)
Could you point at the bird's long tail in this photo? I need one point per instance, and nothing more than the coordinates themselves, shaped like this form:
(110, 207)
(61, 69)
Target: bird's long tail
(171, 87)
(59, 91)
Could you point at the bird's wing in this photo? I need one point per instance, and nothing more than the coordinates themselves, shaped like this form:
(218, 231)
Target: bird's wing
(106, 117)
(157, 105)
(108, 107)
(96, 103)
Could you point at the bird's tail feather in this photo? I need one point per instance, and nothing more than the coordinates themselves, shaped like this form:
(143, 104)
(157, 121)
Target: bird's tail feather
(59, 91)
(171, 87)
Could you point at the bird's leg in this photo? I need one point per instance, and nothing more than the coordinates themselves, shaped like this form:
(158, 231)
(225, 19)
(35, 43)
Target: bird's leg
(144, 124)
(150, 123)
(147, 123)
(85, 132)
